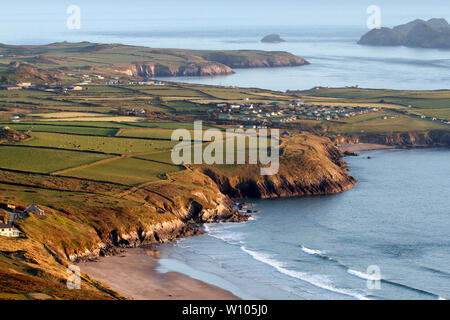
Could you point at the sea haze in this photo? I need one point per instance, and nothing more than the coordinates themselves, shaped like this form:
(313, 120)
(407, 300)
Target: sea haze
(320, 247)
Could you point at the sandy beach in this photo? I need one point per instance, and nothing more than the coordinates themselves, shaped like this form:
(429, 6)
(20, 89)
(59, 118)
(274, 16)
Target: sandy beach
(363, 147)
(133, 274)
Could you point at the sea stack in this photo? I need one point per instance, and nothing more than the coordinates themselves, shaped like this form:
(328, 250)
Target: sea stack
(272, 38)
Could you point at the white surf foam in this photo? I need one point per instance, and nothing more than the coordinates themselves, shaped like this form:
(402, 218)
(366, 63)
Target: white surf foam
(312, 251)
(223, 234)
(316, 280)
(363, 275)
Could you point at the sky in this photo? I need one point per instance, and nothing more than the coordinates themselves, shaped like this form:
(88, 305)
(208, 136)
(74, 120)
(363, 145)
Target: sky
(30, 20)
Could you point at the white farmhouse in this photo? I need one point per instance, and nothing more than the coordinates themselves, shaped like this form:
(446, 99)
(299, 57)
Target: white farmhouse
(8, 231)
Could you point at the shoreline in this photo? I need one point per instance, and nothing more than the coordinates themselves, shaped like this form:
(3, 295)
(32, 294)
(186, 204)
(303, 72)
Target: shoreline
(133, 273)
(352, 147)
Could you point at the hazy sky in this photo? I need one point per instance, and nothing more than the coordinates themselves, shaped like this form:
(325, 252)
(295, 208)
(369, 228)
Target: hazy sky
(33, 19)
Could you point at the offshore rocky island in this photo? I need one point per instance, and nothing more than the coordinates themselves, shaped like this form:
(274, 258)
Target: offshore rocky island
(434, 33)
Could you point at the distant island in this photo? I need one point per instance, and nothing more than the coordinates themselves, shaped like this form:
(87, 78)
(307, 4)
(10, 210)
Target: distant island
(272, 38)
(434, 33)
(65, 62)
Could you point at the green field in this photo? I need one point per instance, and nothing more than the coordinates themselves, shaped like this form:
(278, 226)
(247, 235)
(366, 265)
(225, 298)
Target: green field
(98, 144)
(43, 160)
(82, 126)
(126, 171)
(64, 129)
(395, 125)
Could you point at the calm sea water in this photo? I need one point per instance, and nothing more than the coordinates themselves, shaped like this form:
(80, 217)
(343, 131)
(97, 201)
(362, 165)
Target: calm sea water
(336, 61)
(396, 218)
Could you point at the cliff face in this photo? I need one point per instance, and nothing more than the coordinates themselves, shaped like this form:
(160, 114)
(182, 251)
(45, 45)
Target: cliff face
(150, 69)
(433, 138)
(211, 63)
(434, 33)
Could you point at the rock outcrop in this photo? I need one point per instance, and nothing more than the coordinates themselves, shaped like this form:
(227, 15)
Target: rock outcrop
(272, 38)
(8, 135)
(151, 69)
(434, 33)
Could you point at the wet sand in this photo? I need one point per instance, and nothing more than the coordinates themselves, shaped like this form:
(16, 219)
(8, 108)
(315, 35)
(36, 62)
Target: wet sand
(133, 274)
(363, 147)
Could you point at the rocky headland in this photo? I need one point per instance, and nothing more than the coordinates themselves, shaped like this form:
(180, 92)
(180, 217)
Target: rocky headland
(434, 33)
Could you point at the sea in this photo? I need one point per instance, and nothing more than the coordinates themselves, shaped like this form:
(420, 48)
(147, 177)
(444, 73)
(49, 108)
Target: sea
(387, 238)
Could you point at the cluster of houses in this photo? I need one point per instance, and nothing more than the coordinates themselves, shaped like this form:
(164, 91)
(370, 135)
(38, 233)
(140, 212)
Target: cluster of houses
(16, 86)
(276, 112)
(43, 87)
(133, 112)
(443, 121)
(116, 81)
(7, 228)
(86, 80)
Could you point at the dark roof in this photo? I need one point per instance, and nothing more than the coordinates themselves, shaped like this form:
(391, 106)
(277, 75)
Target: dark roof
(4, 226)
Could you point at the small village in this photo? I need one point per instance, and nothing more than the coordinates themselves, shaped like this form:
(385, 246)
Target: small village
(85, 80)
(11, 213)
(276, 112)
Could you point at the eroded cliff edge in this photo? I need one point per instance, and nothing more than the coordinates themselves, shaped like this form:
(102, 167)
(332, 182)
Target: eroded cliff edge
(431, 138)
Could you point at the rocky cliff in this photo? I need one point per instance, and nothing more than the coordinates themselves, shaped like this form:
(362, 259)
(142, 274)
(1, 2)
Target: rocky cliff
(151, 69)
(434, 33)
(212, 63)
(432, 138)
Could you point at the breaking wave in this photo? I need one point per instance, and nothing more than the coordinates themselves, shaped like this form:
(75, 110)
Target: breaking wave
(316, 280)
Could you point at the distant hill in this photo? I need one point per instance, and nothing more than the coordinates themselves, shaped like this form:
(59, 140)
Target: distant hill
(434, 33)
(65, 62)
